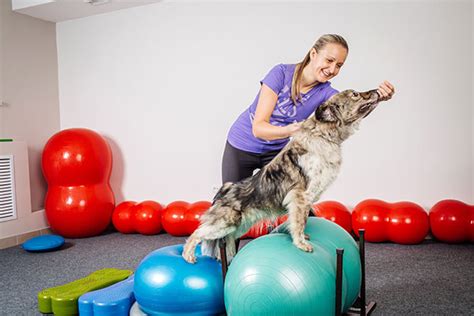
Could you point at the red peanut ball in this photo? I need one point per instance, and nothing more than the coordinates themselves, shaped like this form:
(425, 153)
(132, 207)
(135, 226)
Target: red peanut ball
(402, 222)
(173, 218)
(76, 164)
(182, 218)
(452, 221)
(122, 217)
(147, 217)
(335, 212)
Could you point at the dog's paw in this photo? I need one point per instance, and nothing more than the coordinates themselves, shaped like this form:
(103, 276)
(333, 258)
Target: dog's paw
(305, 246)
(306, 236)
(189, 258)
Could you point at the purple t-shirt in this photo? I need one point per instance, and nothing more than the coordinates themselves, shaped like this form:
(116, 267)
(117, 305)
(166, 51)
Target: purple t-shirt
(286, 112)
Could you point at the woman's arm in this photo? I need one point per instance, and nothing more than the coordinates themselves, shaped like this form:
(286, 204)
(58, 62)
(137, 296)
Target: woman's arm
(261, 127)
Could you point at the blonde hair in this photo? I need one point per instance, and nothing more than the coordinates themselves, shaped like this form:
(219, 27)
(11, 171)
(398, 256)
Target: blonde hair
(320, 44)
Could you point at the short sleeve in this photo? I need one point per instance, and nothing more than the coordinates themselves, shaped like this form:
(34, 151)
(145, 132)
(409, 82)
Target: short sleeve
(330, 92)
(275, 79)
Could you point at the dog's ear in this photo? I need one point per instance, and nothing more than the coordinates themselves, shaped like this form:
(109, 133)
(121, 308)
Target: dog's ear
(327, 112)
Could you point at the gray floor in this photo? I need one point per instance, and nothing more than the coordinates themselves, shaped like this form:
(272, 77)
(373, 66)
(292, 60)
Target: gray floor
(427, 279)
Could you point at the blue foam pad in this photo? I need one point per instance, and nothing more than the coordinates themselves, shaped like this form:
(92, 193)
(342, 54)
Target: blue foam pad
(114, 300)
(43, 243)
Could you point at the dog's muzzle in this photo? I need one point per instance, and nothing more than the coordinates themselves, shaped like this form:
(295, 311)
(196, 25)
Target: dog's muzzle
(371, 105)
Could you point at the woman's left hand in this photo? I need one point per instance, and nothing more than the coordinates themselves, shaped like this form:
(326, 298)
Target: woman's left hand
(385, 91)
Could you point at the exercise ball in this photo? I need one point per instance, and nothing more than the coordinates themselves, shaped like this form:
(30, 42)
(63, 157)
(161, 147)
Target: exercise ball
(452, 221)
(122, 217)
(335, 212)
(77, 163)
(271, 275)
(331, 236)
(165, 284)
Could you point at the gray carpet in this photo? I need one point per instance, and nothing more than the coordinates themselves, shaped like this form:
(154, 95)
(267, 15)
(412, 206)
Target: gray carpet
(427, 279)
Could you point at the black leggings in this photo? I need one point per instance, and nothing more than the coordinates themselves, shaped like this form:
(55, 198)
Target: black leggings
(238, 164)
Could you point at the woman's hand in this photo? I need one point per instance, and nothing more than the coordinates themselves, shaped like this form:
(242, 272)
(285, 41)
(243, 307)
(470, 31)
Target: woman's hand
(385, 91)
(261, 127)
(293, 128)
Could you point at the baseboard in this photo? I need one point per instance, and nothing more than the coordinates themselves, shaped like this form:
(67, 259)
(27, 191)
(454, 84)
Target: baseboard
(13, 241)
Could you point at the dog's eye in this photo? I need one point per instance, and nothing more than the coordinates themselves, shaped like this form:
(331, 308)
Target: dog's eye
(355, 96)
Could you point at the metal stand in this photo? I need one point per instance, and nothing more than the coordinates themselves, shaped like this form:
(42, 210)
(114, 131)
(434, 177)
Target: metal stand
(360, 307)
(237, 244)
(340, 255)
(223, 252)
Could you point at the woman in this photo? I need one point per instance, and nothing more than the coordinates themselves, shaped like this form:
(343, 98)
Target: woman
(289, 94)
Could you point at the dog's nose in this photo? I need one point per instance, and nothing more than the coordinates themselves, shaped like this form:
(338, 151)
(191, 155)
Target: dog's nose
(374, 92)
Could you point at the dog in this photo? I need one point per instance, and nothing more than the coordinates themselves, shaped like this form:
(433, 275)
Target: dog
(290, 183)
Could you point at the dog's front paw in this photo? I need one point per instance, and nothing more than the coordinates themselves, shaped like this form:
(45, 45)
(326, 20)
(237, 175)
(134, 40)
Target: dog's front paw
(189, 258)
(305, 246)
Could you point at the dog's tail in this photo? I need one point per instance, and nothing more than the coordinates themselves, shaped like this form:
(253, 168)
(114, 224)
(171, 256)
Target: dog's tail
(211, 248)
(222, 191)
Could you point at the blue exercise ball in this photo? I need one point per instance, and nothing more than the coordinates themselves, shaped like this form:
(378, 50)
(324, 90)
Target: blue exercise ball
(165, 284)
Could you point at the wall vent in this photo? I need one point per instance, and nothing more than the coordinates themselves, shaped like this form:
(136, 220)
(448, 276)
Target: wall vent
(7, 189)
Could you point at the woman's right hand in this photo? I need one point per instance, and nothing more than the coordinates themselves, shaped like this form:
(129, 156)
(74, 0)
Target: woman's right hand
(261, 127)
(293, 128)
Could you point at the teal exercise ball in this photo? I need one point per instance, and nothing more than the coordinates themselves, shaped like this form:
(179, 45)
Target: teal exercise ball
(332, 236)
(271, 276)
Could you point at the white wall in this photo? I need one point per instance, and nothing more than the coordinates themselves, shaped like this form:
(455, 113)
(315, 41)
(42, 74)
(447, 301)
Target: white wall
(29, 87)
(164, 82)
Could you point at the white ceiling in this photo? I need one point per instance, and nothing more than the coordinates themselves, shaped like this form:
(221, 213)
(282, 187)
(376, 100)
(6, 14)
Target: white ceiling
(62, 10)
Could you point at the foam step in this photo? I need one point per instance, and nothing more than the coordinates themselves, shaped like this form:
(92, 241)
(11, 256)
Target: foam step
(115, 300)
(62, 300)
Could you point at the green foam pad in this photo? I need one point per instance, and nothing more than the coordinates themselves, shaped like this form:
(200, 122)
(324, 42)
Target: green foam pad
(62, 300)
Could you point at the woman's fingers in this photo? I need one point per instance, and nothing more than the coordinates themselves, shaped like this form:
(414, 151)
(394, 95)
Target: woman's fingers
(386, 90)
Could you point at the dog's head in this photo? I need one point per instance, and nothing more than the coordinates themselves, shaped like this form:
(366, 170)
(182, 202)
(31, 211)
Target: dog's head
(347, 107)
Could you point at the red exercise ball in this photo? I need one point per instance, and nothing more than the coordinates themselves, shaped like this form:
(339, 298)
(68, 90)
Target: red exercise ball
(147, 217)
(452, 221)
(173, 218)
(77, 164)
(371, 215)
(194, 213)
(260, 228)
(282, 219)
(335, 212)
(403, 222)
(122, 217)
(408, 223)
(180, 218)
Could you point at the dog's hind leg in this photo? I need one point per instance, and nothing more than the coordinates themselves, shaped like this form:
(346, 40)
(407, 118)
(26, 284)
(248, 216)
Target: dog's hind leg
(298, 211)
(230, 248)
(213, 227)
(210, 248)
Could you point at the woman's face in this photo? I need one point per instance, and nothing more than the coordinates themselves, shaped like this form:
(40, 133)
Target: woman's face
(326, 63)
